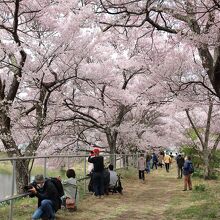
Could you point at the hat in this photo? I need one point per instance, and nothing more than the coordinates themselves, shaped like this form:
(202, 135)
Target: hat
(39, 178)
(96, 150)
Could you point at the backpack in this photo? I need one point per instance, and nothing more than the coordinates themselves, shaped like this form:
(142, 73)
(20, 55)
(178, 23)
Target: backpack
(118, 186)
(191, 168)
(58, 185)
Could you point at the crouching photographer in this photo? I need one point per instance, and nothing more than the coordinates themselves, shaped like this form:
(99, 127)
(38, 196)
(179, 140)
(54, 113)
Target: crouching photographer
(48, 198)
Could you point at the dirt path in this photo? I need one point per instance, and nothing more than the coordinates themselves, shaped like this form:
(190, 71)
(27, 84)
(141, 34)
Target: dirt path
(140, 200)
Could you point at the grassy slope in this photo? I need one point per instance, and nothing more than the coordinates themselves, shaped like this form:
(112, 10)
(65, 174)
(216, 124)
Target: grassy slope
(159, 197)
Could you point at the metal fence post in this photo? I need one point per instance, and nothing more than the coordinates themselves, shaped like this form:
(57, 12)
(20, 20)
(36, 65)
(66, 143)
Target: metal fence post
(45, 167)
(12, 189)
(68, 162)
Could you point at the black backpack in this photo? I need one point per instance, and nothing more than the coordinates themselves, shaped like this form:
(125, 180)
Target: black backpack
(191, 168)
(58, 185)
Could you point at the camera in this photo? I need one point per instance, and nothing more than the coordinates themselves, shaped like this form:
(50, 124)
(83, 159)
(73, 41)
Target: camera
(29, 186)
(26, 188)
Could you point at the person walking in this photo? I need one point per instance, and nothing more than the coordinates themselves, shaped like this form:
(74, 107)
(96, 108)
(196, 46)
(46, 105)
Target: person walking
(148, 159)
(141, 166)
(187, 171)
(154, 161)
(167, 161)
(98, 172)
(180, 163)
(160, 159)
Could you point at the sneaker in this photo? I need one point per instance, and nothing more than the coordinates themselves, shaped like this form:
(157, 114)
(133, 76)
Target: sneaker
(94, 196)
(184, 189)
(101, 197)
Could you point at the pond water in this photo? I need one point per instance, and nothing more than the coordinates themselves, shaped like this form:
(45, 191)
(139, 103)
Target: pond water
(5, 185)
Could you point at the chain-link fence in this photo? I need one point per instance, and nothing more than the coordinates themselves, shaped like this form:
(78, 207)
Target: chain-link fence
(55, 165)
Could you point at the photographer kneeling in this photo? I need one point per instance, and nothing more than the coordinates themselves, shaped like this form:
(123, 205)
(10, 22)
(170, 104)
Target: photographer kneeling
(48, 198)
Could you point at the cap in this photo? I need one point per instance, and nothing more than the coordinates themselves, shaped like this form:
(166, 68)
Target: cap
(39, 178)
(96, 150)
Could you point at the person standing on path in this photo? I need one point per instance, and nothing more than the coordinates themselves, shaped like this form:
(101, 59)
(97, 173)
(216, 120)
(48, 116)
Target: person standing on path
(98, 172)
(180, 163)
(148, 159)
(187, 173)
(167, 160)
(160, 159)
(141, 166)
(154, 161)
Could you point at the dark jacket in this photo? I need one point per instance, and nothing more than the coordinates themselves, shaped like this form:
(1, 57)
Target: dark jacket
(180, 161)
(106, 175)
(98, 163)
(49, 191)
(154, 158)
(186, 167)
(148, 158)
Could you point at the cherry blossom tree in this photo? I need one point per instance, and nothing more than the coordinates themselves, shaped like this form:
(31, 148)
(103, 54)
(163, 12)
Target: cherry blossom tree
(36, 48)
(113, 94)
(207, 132)
(190, 22)
(184, 116)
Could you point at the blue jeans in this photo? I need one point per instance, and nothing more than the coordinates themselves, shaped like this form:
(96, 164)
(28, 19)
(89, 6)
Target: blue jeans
(98, 183)
(148, 167)
(45, 210)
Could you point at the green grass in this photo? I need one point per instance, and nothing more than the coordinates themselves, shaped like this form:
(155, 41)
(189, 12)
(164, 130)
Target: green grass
(24, 207)
(3, 154)
(203, 203)
(6, 168)
(159, 197)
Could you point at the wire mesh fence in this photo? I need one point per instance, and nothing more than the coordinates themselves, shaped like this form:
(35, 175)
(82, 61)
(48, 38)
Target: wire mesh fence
(53, 165)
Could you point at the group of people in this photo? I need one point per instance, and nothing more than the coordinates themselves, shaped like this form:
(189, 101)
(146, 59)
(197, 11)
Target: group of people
(184, 166)
(102, 180)
(49, 198)
(153, 161)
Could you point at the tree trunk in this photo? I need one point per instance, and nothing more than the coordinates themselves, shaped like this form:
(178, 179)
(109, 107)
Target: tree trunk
(22, 174)
(112, 154)
(207, 168)
(112, 138)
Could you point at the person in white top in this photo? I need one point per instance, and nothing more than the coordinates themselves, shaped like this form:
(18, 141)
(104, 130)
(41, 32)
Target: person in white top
(113, 176)
(141, 166)
(70, 188)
